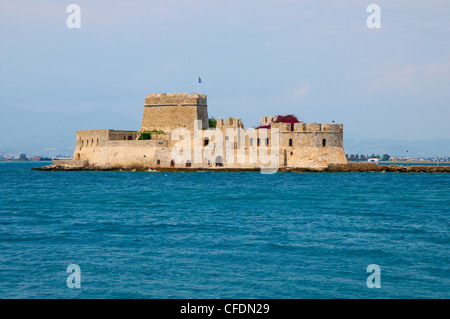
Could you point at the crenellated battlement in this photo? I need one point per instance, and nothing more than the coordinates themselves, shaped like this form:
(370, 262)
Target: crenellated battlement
(312, 127)
(231, 122)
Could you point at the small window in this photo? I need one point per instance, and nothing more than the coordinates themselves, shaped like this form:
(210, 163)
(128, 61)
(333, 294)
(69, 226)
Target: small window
(206, 142)
(290, 142)
(158, 162)
(172, 163)
(258, 142)
(251, 142)
(219, 161)
(130, 138)
(267, 141)
(97, 142)
(124, 138)
(324, 142)
(227, 138)
(188, 164)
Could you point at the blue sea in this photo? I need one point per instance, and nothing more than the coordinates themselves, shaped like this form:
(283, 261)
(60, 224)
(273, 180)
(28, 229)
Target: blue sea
(223, 234)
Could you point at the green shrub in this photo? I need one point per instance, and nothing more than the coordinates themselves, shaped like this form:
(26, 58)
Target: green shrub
(147, 135)
(212, 122)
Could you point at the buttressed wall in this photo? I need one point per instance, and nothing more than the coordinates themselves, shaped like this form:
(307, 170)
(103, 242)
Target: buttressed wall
(168, 111)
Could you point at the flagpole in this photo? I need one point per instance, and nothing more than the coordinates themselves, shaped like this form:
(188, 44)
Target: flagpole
(197, 85)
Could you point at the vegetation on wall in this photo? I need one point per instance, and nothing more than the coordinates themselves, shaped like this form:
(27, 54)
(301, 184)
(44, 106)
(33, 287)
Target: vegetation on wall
(147, 135)
(212, 122)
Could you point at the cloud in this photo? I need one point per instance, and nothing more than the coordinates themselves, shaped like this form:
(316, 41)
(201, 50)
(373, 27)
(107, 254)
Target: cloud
(301, 91)
(413, 77)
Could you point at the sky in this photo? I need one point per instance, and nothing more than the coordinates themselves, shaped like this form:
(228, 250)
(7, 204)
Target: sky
(315, 59)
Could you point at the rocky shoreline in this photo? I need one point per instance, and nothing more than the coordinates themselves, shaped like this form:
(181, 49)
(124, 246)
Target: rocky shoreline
(350, 167)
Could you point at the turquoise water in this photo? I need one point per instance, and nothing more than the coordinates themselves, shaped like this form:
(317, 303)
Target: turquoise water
(222, 235)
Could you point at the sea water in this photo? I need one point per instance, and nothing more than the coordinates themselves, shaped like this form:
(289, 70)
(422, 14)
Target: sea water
(223, 234)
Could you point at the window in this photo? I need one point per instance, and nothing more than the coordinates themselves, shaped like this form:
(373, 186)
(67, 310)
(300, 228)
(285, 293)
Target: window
(188, 164)
(219, 161)
(158, 162)
(290, 142)
(267, 141)
(172, 163)
(206, 142)
(251, 142)
(258, 142)
(324, 142)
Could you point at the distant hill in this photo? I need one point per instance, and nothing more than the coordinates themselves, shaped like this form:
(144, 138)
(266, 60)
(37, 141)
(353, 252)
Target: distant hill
(51, 133)
(354, 144)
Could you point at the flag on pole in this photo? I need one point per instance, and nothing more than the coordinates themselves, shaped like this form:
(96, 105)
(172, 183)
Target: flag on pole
(199, 80)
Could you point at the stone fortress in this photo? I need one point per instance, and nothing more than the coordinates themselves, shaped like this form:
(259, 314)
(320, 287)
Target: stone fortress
(297, 145)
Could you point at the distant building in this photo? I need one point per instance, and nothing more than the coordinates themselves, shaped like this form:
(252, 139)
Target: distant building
(373, 159)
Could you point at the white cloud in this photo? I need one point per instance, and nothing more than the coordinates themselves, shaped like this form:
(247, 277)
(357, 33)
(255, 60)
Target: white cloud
(413, 77)
(301, 91)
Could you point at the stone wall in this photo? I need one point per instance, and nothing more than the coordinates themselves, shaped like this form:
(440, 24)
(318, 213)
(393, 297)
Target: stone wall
(169, 111)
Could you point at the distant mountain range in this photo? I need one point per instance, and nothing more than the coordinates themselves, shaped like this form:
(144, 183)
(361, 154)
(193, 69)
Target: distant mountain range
(52, 133)
(355, 144)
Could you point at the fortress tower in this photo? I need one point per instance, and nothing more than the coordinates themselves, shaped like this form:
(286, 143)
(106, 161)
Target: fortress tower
(168, 111)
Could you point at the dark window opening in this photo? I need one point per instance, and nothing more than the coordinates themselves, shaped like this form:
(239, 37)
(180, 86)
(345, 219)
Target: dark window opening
(206, 142)
(130, 138)
(324, 142)
(219, 161)
(267, 141)
(158, 162)
(172, 163)
(258, 142)
(251, 142)
(290, 142)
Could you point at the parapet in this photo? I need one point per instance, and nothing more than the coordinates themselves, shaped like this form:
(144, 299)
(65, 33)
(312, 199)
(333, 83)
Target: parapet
(266, 120)
(231, 122)
(312, 127)
(175, 99)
